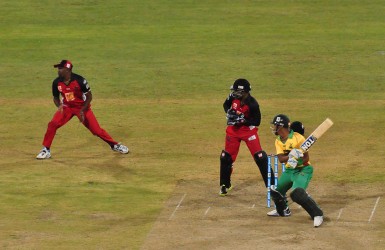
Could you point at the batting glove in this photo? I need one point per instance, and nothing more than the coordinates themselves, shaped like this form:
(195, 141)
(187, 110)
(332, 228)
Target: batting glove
(292, 162)
(296, 153)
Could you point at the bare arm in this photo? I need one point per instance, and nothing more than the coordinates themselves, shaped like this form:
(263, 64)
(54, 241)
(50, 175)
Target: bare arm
(87, 101)
(85, 105)
(57, 101)
(58, 104)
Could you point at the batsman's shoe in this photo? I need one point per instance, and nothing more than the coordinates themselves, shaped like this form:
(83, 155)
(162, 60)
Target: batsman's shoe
(45, 153)
(120, 148)
(318, 221)
(274, 212)
(224, 190)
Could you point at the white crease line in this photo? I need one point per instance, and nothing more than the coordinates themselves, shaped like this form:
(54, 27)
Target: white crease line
(374, 209)
(339, 214)
(253, 206)
(180, 202)
(207, 211)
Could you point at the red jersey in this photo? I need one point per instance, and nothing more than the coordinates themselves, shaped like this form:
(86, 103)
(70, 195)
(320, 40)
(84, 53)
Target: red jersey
(73, 94)
(236, 105)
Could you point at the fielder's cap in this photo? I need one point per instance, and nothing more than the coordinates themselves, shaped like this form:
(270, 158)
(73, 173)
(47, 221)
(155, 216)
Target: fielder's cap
(64, 64)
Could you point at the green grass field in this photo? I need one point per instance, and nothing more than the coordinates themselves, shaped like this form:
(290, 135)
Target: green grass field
(159, 73)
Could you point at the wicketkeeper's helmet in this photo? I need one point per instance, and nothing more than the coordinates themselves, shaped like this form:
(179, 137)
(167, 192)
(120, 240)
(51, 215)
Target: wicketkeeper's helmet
(241, 85)
(281, 120)
(298, 127)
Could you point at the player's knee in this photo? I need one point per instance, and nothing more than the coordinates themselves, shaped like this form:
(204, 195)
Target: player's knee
(276, 195)
(260, 158)
(53, 124)
(299, 195)
(279, 200)
(98, 131)
(226, 159)
(225, 168)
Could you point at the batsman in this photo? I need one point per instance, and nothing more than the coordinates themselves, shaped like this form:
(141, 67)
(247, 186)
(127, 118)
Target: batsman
(298, 172)
(243, 118)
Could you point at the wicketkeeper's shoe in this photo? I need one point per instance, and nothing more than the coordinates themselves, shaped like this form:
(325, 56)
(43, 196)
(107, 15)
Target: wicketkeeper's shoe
(318, 221)
(274, 212)
(224, 190)
(45, 153)
(120, 148)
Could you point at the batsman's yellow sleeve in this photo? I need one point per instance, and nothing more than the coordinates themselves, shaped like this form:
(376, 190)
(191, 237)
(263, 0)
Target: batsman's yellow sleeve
(278, 147)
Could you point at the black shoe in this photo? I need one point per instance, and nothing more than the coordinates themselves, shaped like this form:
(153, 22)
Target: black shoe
(224, 190)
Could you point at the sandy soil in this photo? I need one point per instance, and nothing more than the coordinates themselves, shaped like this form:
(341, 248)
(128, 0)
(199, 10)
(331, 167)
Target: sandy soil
(196, 217)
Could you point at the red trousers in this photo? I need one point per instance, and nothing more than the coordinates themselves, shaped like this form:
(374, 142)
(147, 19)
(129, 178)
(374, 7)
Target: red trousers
(234, 136)
(62, 117)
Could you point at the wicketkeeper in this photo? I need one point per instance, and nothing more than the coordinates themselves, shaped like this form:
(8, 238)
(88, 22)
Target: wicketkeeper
(243, 118)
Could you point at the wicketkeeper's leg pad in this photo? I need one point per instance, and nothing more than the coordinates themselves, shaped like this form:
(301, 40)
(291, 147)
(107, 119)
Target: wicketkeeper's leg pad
(279, 200)
(300, 196)
(225, 168)
(260, 159)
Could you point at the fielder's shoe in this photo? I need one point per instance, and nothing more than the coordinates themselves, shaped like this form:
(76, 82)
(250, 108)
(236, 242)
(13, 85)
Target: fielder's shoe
(45, 153)
(120, 148)
(224, 190)
(318, 221)
(274, 212)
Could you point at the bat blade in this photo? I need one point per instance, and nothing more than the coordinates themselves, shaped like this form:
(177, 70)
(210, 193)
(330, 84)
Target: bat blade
(317, 133)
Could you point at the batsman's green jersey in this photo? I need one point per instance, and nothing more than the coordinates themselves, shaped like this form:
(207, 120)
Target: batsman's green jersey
(299, 176)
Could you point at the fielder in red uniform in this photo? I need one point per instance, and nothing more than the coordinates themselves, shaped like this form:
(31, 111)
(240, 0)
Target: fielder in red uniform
(243, 119)
(75, 100)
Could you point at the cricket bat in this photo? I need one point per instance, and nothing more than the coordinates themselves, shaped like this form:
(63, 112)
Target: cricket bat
(317, 133)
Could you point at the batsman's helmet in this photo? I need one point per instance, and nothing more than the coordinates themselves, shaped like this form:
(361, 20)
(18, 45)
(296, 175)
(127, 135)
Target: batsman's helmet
(298, 127)
(241, 85)
(281, 120)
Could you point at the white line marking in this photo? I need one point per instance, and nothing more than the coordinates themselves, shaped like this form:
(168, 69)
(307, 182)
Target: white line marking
(374, 209)
(339, 214)
(207, 211)
(180, 202)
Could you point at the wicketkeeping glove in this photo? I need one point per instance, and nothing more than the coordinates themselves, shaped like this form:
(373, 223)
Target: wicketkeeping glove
(234, 117)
